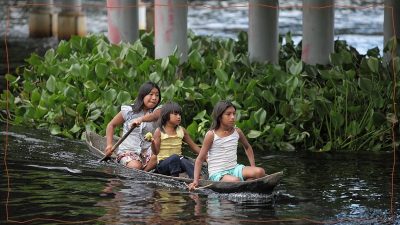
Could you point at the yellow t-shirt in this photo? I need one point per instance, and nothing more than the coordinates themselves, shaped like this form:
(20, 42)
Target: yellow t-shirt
(171, 144)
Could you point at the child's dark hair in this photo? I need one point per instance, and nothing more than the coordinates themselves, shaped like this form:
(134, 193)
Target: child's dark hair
(144, 90)
(218, 110)
(166, 110)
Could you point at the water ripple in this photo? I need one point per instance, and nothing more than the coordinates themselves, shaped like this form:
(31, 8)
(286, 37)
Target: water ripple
(57, 168)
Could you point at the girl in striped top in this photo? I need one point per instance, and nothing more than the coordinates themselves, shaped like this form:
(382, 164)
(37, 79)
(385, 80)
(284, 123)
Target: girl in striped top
(220, 143)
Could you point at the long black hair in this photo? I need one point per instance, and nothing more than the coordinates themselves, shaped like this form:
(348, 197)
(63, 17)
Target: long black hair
(218, 110)
(166, 110)
(144, 90)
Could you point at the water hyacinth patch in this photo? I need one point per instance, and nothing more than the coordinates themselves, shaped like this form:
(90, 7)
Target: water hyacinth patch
(81, 84)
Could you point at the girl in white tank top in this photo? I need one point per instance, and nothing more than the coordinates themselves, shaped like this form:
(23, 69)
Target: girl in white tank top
(220, 143)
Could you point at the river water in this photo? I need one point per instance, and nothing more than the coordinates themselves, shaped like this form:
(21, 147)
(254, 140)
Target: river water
(50, 180)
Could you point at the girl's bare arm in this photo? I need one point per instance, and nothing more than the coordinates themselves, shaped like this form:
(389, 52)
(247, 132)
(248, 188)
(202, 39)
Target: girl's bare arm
(156, 141)
(247, 147)
(147, 118)
(186, 138)
(116, 121)
(208, 140)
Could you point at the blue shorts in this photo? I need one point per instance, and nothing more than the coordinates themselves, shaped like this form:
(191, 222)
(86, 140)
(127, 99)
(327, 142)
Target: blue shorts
(236, 171)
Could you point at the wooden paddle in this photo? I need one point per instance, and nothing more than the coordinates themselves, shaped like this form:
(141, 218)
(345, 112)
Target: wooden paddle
(106, 158)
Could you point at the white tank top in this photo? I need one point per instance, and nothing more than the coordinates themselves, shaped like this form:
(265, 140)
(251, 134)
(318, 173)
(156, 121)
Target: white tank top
(223, 153)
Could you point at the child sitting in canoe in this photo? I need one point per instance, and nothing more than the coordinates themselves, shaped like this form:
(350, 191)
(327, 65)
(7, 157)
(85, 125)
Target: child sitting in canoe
(134, 152)
(220, 143)
(167, 143)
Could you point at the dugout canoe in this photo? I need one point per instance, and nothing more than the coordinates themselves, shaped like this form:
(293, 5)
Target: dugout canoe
(266, 184)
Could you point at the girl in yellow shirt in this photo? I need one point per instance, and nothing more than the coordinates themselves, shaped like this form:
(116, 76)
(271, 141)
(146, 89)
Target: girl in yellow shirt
(167, 143)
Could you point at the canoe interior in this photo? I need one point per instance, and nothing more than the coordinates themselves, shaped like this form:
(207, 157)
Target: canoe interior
(266, 184)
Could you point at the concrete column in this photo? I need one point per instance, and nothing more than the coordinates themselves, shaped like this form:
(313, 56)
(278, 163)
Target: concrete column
(71, 19)
(263, 31)
(318, 31)
(42, 19)
(391, 24)
(150, 16)
(123, 21)
(142, 15)
(171, 28)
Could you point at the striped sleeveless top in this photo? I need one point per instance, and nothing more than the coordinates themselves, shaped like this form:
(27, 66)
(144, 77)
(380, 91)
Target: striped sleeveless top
(223, 153)
(171, 144)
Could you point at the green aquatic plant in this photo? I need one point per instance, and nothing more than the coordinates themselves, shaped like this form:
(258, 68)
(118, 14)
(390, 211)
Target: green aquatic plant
(81, 84)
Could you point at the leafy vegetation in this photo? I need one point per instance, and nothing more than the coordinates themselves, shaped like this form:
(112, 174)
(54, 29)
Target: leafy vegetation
(81, 85)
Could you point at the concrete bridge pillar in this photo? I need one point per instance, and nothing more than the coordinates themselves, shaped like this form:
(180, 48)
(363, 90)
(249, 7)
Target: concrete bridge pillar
(142, 15)
(318, 31)
(123, 21)
(263, 31)
(391, 24)
(42, 19)
(71, 19)
(150, 16)
(171, 28)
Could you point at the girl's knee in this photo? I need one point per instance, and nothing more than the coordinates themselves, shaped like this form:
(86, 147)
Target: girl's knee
(151, 164)
(175, 158)
(229, 178)
(259, 172)
(134, 164)
(253, 173)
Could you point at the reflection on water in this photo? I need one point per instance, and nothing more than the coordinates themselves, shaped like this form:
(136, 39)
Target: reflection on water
(141, 202)
(58, 179)
(133, 201)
